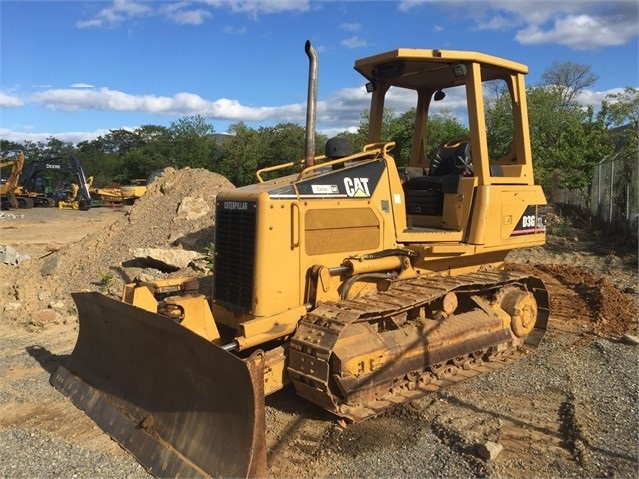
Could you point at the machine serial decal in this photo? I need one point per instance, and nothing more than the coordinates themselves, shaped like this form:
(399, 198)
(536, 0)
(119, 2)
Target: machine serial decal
(325, 189)
(531, 222)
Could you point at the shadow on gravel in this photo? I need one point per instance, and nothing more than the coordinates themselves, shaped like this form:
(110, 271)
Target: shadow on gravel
(505, 417)
(46, 358)
(286, 400)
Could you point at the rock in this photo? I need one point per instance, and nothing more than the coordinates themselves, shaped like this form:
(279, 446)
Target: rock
(9, 216)
(42, 317)
(8, 255)
(490, 450)
(43, 295)
(166, 259)
(22, 257)
(192, 208)
(59, 305)
(49, 266)
(150, 275)
(14, 306)
(630, 339)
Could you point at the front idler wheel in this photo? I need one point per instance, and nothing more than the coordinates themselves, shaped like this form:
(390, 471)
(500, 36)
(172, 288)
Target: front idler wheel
(522, 308)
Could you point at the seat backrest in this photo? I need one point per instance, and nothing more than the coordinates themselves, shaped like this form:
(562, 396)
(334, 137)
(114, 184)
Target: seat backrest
(444, 161)
(406, 173)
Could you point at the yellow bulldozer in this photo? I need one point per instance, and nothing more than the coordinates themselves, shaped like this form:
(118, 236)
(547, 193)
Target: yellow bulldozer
(360, 283)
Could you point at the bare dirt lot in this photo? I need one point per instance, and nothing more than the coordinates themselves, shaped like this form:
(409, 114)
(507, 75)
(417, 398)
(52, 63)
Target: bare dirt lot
(40, 231)
(568, 410)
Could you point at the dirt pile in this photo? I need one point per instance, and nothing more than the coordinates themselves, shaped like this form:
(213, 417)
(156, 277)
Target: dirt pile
(579, 297)
(177, 211)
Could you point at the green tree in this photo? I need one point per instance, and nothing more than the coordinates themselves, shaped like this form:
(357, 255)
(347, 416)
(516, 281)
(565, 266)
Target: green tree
(282, 143)
(153, 151)
(118, 142)
(286, 142)
(622, 117)
(400, 130)
(7, 145)
(499, 123)
(566, 141)
(54, 147)
(193, 143)
(361, 136)
(241, 155)
(442, 126)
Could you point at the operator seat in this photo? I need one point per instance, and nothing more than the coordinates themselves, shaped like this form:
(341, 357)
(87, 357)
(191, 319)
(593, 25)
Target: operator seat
(425, 193)
(453, 157)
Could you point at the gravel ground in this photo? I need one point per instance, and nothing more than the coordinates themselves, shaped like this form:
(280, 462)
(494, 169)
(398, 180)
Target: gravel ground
(567, 410)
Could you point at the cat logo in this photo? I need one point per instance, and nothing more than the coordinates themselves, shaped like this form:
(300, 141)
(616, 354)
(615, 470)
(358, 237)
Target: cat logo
(357, 187)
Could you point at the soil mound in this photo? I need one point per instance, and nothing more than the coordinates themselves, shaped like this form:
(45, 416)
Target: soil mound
(177, 211)
(579, 296)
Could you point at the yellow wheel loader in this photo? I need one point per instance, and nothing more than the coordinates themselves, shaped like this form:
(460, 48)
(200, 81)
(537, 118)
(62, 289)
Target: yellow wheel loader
(135, 190)
(360, 283)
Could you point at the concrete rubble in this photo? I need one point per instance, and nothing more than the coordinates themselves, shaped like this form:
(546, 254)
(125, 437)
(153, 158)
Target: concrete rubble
(490, 450)
(166, 259)
(9, 255)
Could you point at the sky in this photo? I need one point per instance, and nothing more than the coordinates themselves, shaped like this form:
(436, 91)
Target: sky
(75, 70)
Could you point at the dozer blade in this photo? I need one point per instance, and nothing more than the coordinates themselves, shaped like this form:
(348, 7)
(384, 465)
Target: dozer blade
(181, 405)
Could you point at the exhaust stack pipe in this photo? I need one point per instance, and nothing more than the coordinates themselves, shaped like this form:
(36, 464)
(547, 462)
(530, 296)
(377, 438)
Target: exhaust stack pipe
(311, 105)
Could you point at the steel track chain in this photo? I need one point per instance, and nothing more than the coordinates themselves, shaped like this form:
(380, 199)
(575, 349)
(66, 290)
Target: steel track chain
(319, 331)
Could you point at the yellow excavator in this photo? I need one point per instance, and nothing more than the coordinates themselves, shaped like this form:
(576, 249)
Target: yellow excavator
(9, 193)
(35, 176)
(360, 283)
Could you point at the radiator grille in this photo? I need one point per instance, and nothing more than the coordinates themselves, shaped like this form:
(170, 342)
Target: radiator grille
(234, 256)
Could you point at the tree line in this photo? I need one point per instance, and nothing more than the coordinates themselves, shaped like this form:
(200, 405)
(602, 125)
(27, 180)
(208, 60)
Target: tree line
(567, 140)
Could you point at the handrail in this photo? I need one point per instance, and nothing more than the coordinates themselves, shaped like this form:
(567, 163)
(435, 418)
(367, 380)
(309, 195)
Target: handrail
(272, 168)
(368, 150)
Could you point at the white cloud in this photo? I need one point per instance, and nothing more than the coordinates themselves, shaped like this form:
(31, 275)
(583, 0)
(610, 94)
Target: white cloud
(10, 101)
(82, 85)
(497, 22)
(594, 98)
(578, 24)
(354, 42)
(406, 5)
(190, 17)
(234, 31)
(351, 27)
(95, 23)
(177, 105)
(119, 11)
(341, 111)
(74, 137)
(581, 32)
(182, 15)
(256, 7)
(184, 12)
